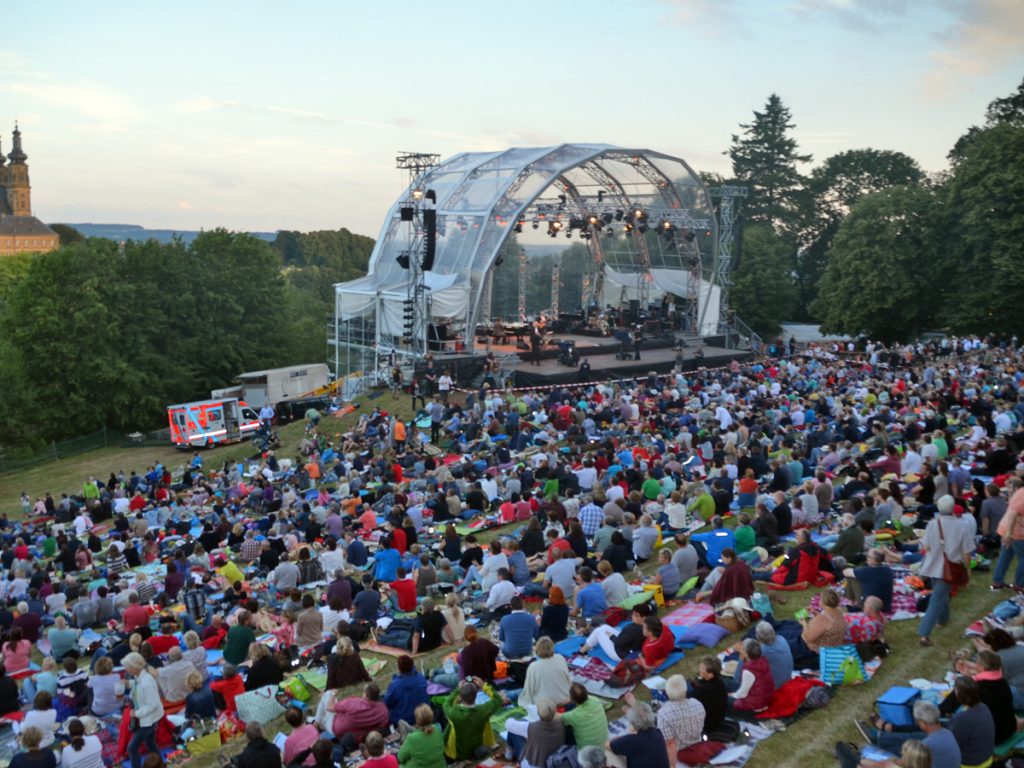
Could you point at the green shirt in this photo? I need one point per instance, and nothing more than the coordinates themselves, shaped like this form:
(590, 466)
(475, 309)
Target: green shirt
(422, 750)
(650, 489)
(744, 539)
(468, 723)
(588, 722)
(703, 505)
(49, 546)
(237, 647)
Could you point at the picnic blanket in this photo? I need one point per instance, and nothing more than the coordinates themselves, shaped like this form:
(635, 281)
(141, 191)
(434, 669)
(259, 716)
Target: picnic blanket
(689, 614)
(904, 606)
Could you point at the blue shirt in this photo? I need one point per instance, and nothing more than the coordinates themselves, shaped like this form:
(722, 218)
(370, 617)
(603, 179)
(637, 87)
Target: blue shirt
(386, 563)
(590, 600)
(521, 574)
(517, 632)
(356, 552)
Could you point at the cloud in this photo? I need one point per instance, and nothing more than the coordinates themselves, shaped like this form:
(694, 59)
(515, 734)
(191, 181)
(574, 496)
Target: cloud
(985, 35)
(713, 16)
(90, 99)
(192, 106)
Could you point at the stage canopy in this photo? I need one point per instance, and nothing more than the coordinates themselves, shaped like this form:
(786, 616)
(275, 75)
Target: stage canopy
(620, 200)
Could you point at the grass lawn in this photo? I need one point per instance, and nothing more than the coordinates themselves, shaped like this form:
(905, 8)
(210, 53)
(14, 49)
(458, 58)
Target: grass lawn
(67, 475)
(808, 743)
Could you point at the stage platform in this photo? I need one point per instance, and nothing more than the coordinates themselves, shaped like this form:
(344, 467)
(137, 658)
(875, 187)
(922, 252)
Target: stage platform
(604, 367)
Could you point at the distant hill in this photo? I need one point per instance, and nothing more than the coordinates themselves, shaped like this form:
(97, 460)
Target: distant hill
(121, 232)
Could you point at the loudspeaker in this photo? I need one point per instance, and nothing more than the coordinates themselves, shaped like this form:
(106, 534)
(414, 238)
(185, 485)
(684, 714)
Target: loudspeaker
(407, 213)
(429, 238)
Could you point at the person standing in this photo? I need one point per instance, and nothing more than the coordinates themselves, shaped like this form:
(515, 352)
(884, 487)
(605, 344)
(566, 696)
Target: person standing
(444, 386)
(944, 539)
(147, 709)
(1011, 532)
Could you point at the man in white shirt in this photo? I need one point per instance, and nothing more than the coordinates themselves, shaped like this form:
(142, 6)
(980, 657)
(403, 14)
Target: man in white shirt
(266, 415)
(912, 461)
(502, 592)
(83, 523)
(444, 386)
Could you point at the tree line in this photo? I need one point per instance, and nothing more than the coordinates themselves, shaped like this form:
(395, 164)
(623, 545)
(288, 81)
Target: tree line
(867, 243)
(100, 334)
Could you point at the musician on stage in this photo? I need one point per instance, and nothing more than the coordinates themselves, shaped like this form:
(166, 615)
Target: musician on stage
(638, 337)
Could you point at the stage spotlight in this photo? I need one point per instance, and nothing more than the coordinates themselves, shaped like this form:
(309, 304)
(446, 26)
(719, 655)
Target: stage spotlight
(417, 194)
(609, 232)
(518, 228)
(627, 228)
(432, 196)
(561, 200)
(641, 217)
(557, 225)
(536, 224)
(688, 236)
(600, 195)
(403, 260)
(642, 228)
(607, 218)
(619, 214)
(593, 220)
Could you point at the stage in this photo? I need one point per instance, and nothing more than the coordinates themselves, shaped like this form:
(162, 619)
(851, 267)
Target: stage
(656, 355)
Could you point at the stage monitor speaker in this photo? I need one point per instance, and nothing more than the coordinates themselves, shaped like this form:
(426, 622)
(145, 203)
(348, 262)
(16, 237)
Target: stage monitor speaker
(429, 238)
(633, 312)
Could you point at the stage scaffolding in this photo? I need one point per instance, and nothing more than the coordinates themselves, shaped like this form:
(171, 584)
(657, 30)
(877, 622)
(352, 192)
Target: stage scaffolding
(645, 216)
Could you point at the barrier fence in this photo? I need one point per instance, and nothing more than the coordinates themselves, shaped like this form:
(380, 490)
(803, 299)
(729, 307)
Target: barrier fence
(64, 449)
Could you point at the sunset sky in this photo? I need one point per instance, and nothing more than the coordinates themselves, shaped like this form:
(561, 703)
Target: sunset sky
(264, 116)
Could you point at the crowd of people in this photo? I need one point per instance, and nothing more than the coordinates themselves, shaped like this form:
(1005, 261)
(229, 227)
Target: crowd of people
(162, 597)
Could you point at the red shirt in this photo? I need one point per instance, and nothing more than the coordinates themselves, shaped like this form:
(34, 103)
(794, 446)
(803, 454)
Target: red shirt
(405, 589)
(162, 643)
(399, 540)
(137, 503)
(561, 544)
(135, 616)
(229, 689)
(656, 651)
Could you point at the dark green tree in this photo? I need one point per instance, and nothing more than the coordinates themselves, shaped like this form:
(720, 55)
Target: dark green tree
(985, 206)
(67, 234)
(764, 292)
(887, 267)
(765, 158)
(835, 187)
(1007, 110)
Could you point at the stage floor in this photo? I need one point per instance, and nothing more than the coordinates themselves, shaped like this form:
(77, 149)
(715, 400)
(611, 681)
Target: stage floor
(604, 367)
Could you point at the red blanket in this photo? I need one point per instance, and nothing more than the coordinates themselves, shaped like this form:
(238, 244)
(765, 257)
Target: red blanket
(788, 698)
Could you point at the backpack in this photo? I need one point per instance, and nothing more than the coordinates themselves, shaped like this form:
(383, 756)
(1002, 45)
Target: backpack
(563, 757)
(626, 674)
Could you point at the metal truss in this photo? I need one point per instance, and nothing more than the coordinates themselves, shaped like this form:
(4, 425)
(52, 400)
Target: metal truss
(728, 196)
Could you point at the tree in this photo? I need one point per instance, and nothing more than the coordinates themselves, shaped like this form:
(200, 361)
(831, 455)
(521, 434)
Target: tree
(885, 271)
(764, 292)
(985, 199)
(765, 158)
(1007, 110)
(67, 234)
(835, 187)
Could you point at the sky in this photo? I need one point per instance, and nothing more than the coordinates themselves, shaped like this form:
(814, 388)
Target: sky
(263, 116)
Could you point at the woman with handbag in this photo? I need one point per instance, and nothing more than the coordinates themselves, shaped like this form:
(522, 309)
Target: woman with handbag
(147, 709)
(947, 548)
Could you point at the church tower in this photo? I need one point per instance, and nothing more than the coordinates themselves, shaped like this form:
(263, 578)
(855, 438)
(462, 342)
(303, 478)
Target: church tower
(19, 193)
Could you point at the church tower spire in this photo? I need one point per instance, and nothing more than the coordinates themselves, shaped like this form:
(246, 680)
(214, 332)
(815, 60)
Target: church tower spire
(19, 192)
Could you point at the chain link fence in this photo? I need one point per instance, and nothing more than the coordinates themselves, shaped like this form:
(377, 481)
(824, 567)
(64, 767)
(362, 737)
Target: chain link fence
(102, 438)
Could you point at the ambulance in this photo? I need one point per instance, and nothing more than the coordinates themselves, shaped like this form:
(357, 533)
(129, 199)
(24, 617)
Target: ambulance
(211, 422)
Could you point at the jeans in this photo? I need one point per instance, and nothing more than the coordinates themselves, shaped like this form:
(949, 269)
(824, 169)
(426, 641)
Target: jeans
(1006, 554)
(145, 734)
(938, 608)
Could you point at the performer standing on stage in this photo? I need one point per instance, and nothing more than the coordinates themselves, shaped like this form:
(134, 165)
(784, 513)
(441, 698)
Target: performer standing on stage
(638, 336)
(535, 340)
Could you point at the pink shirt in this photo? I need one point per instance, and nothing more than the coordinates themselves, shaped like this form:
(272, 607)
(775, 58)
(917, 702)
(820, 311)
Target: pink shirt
(16, 659)
(300, 739)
